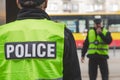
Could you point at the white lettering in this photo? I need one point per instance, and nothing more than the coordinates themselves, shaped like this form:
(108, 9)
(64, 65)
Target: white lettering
(41, 53)
(27, 54)
(10, 49)
(30, 50)
(19, 50)
(51, 49)
(34, 50)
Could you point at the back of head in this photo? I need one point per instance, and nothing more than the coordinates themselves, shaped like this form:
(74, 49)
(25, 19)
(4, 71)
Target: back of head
(97, 19)
(30, 3)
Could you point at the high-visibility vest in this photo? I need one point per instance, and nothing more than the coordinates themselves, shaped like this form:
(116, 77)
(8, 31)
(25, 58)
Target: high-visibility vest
(96, 44)
(31, 49)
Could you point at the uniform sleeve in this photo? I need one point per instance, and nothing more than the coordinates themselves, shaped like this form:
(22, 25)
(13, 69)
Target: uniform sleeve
(107, 39)
(70, 61)
(85, 47)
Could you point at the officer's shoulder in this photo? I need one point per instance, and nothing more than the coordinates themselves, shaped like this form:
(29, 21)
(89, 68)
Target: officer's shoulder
(3, 26)
(91, 28)
(58, 22)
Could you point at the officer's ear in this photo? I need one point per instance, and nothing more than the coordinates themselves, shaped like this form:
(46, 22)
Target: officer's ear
(18, 4)
(46, 2)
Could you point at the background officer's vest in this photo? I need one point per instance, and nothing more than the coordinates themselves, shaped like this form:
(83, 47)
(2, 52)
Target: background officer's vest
(31, 49)
(96, 44)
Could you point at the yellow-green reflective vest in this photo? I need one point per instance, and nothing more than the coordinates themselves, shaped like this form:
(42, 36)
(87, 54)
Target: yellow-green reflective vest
(31, 49)
(96, 44)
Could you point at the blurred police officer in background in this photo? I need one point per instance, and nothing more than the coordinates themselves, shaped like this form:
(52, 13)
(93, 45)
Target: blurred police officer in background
(96, 46)
(35, 48)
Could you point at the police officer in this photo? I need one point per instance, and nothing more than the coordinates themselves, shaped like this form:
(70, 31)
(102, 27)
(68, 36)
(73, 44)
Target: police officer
(35, 48)
(96, 45)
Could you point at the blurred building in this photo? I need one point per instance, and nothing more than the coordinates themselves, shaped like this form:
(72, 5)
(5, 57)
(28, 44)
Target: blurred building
(2, 12)
(83, 6)
(8, 11)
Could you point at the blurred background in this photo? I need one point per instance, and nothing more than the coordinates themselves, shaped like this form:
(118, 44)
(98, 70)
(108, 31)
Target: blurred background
(83, 6)
(78, 16)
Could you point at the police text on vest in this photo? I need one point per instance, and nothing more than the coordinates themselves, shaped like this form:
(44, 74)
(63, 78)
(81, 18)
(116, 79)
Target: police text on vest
(18, 50)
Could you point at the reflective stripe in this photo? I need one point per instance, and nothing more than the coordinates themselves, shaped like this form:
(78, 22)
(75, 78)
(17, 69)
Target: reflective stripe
(98, 48)
(51, 79)
(98, 43)
(60, 79)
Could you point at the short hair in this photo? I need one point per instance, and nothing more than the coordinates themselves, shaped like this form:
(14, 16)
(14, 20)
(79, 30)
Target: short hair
(30, 3)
